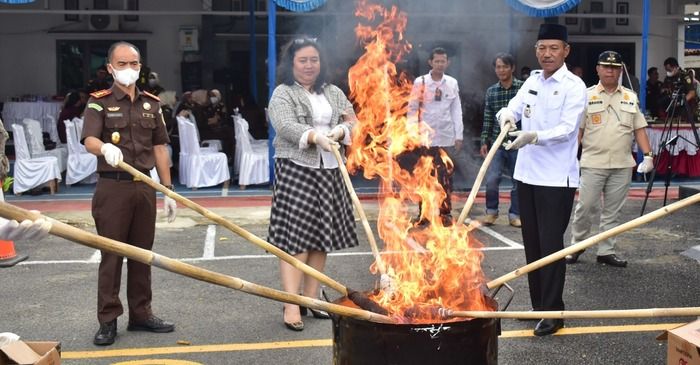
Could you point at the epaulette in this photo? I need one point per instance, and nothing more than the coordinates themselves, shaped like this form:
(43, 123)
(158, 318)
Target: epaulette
(101, 93)
(151, 95)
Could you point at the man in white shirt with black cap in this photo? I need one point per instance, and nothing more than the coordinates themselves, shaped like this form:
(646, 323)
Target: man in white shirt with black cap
(550, 105)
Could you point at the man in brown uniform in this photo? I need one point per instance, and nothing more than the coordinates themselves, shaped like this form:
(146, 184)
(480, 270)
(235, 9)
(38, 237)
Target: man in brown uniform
(123, 123)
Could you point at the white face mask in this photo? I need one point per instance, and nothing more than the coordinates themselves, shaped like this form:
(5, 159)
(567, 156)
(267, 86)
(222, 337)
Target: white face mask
(126, 76)
(214, 100)
(669, 73)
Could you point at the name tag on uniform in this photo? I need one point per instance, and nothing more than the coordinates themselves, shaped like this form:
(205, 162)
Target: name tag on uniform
(115, 115)
(533, 92)
(148, 115)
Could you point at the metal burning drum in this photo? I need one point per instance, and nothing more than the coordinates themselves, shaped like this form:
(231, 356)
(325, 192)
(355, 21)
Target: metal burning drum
(357, 342)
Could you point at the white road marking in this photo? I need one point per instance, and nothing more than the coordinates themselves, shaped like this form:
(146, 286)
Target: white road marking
(499, 237)
(209, 242)
(239, 257)
(96, 257)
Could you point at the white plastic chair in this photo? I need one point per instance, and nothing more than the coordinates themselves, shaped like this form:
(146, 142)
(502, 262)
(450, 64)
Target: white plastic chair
(31, 172)
(35, 142)
(82, 165)
(199, 167)
(252, 156)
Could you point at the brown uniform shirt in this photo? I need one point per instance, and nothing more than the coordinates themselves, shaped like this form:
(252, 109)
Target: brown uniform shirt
(133, 127)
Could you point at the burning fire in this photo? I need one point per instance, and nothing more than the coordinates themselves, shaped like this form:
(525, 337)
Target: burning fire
(434, 267)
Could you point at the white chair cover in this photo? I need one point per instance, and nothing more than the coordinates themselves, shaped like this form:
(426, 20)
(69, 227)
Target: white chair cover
(31, 172)
(35, 142)
(82, 165)
(52, 129)
(214, 145)
(251, 155)
(199, 167)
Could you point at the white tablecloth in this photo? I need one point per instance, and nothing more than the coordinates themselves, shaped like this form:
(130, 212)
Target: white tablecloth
(685, 142)
(14, 111)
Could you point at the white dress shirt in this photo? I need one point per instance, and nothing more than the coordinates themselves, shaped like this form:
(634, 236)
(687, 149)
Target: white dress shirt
(553, 108)
(444, 116)
(321, 115)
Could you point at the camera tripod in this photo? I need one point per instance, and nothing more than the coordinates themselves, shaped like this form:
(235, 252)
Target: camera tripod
(669, 139)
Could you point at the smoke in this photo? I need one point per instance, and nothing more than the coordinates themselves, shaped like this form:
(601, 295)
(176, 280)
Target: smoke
(472, 32)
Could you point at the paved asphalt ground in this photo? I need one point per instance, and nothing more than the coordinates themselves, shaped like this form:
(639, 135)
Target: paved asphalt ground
(52, 295)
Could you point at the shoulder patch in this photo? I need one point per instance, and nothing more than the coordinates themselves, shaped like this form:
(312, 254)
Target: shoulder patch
(151, 95)
(95, 106)
(101, 93)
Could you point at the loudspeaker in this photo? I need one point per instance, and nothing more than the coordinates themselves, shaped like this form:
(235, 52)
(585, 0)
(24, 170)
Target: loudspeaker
(71, 5)
(132, 5)
(100, 4)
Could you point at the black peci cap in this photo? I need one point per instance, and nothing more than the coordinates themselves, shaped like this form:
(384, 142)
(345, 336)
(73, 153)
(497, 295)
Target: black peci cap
(552, 31)
(610, 58)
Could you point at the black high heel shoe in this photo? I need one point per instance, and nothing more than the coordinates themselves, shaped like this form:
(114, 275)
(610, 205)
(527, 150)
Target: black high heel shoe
(315, 313)
(295, 326)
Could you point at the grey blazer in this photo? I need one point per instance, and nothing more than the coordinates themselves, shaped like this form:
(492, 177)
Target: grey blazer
(290, 113)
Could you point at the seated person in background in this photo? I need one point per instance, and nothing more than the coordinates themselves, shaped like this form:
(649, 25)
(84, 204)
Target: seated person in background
(153, 85)
(214, 122)
(100, 82)
(653, 92)
(73, 107)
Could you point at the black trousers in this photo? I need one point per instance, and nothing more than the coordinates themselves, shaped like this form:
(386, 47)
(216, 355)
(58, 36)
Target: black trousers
(545, 213)
(408, 161)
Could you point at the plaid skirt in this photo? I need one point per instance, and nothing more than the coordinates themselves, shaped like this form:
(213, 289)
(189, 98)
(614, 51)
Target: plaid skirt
(311, 210)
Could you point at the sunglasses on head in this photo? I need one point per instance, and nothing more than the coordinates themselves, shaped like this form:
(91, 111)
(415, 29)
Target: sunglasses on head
(305, 40)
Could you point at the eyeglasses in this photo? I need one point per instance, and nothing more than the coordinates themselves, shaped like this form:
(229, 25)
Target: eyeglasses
(305, 40)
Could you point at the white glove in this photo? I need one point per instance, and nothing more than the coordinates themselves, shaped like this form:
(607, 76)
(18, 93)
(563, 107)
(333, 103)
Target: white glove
(506, 116)
(324, 142)
(336, 134)
(521, 138)
(113, 155)
(646, 166)
(27, 230)
(169, 208)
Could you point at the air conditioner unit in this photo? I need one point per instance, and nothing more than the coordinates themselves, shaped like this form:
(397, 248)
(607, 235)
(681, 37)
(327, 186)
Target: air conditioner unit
(103, 23)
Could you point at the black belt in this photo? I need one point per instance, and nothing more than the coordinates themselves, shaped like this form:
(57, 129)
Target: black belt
(121, 175)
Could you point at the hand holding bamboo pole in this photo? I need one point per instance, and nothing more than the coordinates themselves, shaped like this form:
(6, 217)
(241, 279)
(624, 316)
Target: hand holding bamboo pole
(482, 172)
(323, 278)
(649, 217)
(153, 259)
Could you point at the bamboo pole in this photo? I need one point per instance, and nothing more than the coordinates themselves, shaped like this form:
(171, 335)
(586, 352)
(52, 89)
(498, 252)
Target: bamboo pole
(323, 278)
(153, 259)
(482, 172)
(661, 212)
(622, 313)
(360, 210)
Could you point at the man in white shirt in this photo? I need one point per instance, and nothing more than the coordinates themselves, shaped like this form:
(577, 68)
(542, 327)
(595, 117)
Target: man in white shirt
(435, 102)
(550, 105)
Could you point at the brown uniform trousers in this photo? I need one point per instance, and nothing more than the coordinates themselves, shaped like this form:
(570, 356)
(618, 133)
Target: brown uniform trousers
(124, 209)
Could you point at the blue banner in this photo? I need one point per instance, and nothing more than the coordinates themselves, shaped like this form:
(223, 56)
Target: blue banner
(543, 8)
(299, 6)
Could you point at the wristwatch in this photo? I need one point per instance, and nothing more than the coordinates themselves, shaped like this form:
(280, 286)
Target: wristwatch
(650, 154)
(171, 187)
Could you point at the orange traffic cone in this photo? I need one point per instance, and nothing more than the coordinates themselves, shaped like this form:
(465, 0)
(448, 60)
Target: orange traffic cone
(8, 256)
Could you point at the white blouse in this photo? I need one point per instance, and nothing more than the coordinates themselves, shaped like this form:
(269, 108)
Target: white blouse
(321, 114)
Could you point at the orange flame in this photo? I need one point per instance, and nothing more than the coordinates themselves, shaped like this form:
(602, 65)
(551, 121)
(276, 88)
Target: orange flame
(434, 267)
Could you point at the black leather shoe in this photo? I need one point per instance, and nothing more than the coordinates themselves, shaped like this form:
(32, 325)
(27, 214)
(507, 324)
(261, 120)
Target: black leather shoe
(573, 258)
(319, 314)
(611, 260)
(106, 334)
(548, 326)
(152, 324)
